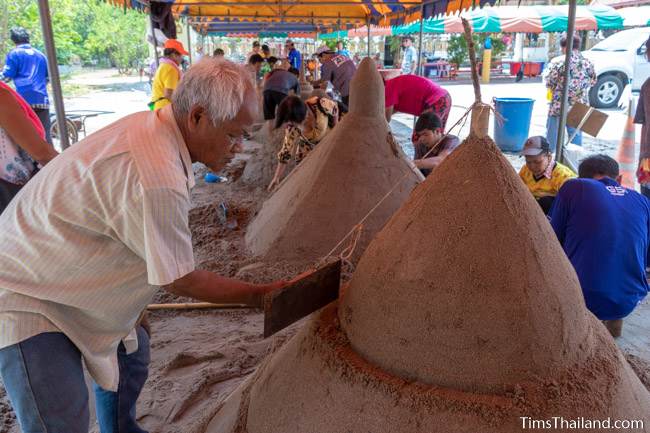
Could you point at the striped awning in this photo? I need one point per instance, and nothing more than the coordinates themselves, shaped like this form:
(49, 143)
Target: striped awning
(524, 19)
(344, 14)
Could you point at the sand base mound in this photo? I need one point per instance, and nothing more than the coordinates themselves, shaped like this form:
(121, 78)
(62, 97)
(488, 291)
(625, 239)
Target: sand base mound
(317, 383)
(463, 315)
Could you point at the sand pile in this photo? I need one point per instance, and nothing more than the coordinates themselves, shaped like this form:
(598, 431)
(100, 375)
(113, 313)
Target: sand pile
(260, 167)
(337, 184)
(463, 316)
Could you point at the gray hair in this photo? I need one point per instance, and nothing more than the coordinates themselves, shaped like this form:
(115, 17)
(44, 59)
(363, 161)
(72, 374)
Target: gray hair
(217, 85)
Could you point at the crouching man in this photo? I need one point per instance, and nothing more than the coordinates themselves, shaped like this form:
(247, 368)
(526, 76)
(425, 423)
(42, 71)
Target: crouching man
(604, 230)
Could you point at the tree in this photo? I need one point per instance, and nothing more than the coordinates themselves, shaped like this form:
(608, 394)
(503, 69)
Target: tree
(458, 53)
(89, 31)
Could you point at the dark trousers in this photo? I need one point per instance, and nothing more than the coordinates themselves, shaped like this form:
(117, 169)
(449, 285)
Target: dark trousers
(44, 116)
(7, 191)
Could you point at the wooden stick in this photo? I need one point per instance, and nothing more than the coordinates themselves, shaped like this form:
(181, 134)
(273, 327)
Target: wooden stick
(472, 60)
(196, 306)
(480, 112)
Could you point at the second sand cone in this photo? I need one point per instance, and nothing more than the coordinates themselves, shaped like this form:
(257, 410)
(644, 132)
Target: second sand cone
(464, 315)
(338, 183)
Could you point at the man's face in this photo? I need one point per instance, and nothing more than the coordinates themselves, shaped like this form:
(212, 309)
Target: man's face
(538, 164)
(288, 47)
(406, 43)
(177, 58)
(339, 46)
(215, 146)
(427, 137)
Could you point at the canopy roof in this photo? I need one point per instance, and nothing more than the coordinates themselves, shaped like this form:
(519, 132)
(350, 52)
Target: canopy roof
(525, 19)
(331, 13)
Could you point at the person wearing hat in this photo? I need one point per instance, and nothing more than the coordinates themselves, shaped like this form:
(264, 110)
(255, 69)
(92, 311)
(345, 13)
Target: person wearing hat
(604, 231)
(542, 174)
(337, 69)
(167, 75)
(293, 55)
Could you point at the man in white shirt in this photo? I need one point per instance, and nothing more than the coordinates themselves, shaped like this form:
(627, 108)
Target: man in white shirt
(410, 59)
(90, 239)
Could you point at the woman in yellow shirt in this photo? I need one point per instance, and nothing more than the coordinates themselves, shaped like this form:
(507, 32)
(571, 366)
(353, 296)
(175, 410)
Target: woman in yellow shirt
(167, 75)
(542, 174)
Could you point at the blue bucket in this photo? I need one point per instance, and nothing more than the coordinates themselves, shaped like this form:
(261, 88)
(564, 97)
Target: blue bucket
(511, 134)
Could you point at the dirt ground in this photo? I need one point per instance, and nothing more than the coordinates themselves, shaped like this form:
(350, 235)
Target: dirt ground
(199, 357)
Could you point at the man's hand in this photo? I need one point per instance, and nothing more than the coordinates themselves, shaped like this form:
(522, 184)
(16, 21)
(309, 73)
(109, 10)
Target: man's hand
(210, 287)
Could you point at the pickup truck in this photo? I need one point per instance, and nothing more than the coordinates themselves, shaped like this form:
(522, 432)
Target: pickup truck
(619, 60)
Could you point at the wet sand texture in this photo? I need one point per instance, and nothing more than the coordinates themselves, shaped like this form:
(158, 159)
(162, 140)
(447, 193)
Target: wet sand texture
(463, 315)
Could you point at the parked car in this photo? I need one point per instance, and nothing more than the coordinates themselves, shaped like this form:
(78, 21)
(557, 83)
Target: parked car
(619, 60)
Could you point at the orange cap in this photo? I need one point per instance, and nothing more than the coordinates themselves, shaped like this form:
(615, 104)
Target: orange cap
(175, 45)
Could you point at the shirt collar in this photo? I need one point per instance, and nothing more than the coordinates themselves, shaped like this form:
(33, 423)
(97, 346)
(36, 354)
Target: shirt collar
(166, 116)
(23, 46)
(608, 181)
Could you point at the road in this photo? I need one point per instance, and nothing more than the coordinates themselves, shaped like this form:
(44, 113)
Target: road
(126, 95)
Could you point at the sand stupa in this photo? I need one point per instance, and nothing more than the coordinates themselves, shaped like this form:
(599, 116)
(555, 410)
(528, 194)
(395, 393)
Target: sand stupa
(463, 315)
(338, 183)
(260, 167)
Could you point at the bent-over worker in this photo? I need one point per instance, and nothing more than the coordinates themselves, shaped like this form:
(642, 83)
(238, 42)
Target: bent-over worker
(604, 230)
(415, 95)
(336, 69)
(98, 231)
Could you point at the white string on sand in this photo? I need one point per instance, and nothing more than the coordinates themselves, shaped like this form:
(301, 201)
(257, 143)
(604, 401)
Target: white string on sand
(357, 229)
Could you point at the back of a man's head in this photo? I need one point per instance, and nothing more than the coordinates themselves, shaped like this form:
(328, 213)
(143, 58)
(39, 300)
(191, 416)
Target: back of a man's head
(215, 84)
(598, 166)
(19, 35)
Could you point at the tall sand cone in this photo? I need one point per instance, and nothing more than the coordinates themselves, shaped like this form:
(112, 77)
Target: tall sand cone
(463, 315)
(626, 150)
(340, 181)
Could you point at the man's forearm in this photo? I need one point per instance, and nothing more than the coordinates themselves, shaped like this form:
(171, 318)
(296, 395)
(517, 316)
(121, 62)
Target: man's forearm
(210, 287)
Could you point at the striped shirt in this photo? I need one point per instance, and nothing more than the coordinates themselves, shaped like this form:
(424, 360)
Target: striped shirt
(88, 240)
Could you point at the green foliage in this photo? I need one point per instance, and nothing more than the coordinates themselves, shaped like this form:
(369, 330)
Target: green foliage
(458, 53)
(87, 31)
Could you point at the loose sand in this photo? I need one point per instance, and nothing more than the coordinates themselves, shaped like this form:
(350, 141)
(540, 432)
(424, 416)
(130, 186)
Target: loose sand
(452, 323)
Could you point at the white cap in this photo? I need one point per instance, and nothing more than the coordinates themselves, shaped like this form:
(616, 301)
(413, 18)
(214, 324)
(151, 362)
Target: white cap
(323, 49)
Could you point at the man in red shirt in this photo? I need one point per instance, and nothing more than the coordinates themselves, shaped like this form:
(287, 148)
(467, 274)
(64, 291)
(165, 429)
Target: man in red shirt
(415, 95)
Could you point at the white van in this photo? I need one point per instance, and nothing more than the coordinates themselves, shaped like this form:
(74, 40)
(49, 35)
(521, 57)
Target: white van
(619, 60)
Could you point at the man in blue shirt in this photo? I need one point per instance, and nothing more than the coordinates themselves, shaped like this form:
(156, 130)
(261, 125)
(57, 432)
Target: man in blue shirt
(294, 57)
(604, 229)
(27, 67)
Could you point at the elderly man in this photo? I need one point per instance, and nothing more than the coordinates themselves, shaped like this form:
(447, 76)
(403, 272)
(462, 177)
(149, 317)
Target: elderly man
(604, 230)
(98, 231)
(338, 70)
